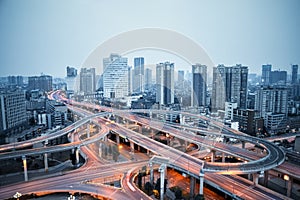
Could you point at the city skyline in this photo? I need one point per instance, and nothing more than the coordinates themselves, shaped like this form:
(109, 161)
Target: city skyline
(47, 41)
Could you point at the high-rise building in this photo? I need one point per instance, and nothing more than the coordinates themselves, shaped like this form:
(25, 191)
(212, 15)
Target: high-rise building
(71, 72)
(266, 74)
(12, 110)
(138, 77)
(180, 76)
(199, 87)
(130, 80)
(273, 107)
(71, 80)
(278, 77)
(43, 82)
(87, 80)
(165, 83)
(271, 99)
(15, 81)
(148, 78)
(229, 85)
(294, 74)
(115, 76)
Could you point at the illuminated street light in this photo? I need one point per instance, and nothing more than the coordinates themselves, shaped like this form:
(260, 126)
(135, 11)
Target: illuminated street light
(17, 195)
(71, 197)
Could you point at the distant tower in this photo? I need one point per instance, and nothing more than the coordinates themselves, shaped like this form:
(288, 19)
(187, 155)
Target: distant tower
(115, 77)
(229, 85)
(199, 85)
(43, 83)
(294, 74)
(138, 79)
(87, 80)
(148, 78)
(71, 79)
(165, 83)
(130, 73)
(180, 76)
(266, 74)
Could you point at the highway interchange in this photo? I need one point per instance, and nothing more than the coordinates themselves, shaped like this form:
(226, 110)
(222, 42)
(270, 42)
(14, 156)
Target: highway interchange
(73, 181)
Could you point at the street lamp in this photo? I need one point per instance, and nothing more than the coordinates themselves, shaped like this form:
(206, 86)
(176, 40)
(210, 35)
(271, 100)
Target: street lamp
(71, 197)
(17, 195)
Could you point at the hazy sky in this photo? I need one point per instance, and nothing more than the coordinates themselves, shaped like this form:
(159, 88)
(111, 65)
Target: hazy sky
(46, 36)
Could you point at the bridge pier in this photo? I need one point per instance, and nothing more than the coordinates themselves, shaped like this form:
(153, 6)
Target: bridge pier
(46, 158)
(213, 155)
(289, 181)
(181, 119)
(77, 155)
(201, 182)
(46, 162)
(118, 139)
(131, 147)
(140, 129)
(266, 178)
(162, 180)
(88, 130)
(25, 168)
(243, 144)
(223, 157)
(151, 173)
(100, 149)
(192, 186)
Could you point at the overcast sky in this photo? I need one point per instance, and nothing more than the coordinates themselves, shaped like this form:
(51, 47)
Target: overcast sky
(46, 36)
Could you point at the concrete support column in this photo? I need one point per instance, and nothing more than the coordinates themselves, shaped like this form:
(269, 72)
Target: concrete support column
(266, 178)
(46, 162)
(25, 168)
(118, 139)
(131, 147)
(162, 180)
(77, 155)
(223, 157)
(243, 144)
(249, 176)
(139, 148)
(201, 182)
(88, 130)
(46, 157)
(192, 186)
(150, 114)
(213, 155)
(255, 178)
(100, 149)
(289, 188)
(140, 129)
(181, 118)
(151, 173)
(148, 152)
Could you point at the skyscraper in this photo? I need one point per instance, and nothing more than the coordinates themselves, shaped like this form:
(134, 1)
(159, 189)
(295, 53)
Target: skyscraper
(294, 74)
(266, 74)
(180, 76)
(115, 76)
(148, 78)
(165, 83)
(12, 110)
(229, 85)
(199, 85)
(43, 83)
(273, 107)
(87, 80)
(138, 79)
(130, 74)
(71, 79)
(278, 77)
